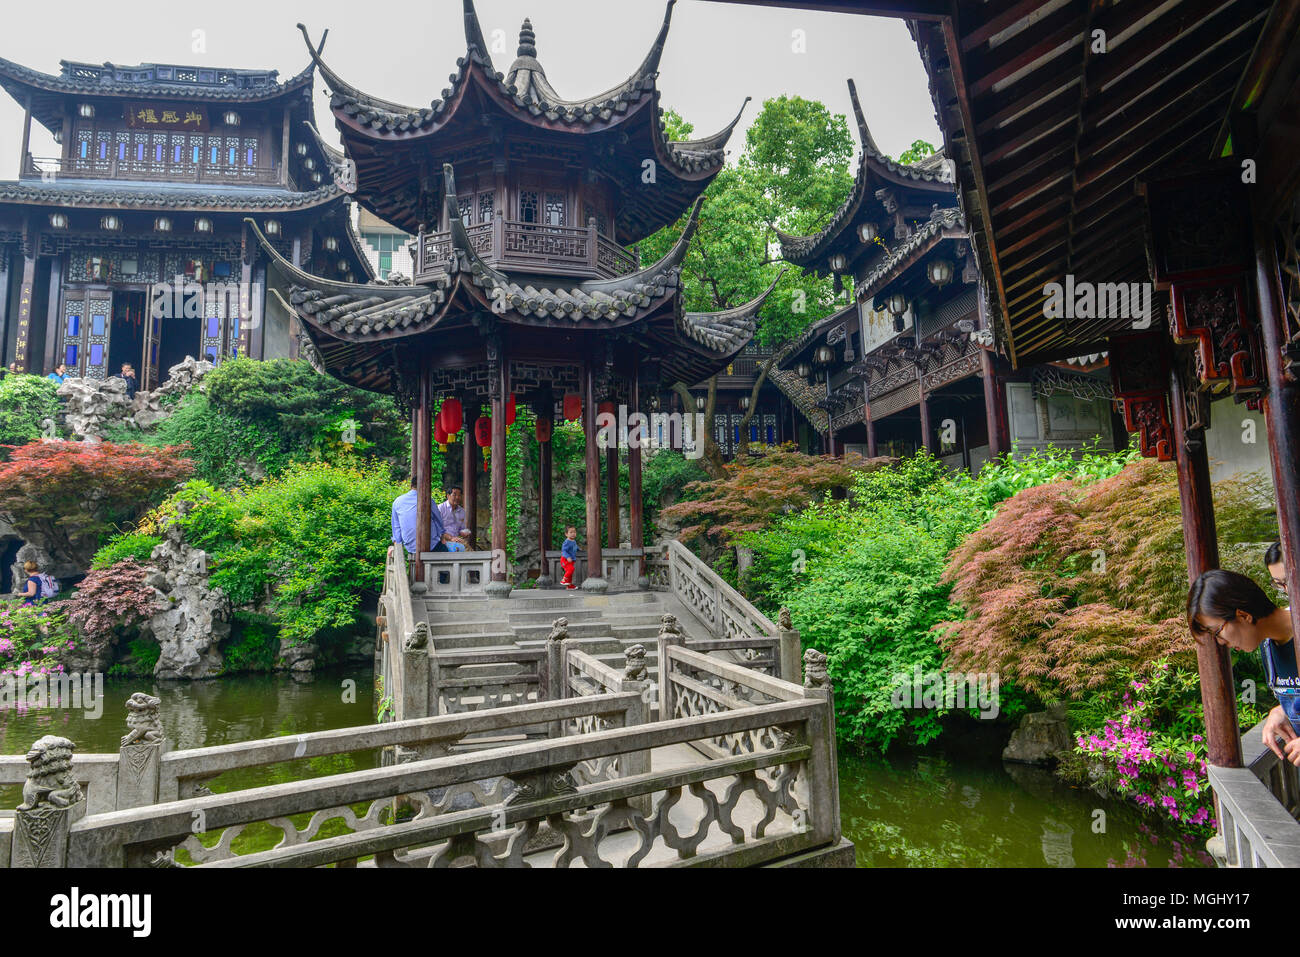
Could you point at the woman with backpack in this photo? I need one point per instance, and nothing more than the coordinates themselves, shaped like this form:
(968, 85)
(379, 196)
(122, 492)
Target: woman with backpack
(38, 587)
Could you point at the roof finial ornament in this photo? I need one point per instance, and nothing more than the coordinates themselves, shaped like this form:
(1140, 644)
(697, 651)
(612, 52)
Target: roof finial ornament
(868, 144)
(527, 39)
(474, 40)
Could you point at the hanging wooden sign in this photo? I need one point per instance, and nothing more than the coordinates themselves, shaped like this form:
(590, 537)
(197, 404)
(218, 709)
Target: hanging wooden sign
(164, 116)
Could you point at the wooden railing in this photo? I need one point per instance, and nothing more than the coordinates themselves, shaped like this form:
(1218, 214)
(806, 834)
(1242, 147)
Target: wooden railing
(53, 168)
(1258, 805)
(531, 247)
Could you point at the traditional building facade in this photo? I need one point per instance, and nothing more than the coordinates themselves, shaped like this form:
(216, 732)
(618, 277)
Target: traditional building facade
(910, 362)
(131, 245)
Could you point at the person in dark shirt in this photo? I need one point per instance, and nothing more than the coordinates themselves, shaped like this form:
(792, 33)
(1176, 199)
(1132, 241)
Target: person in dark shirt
(1233, 611)
(128, 373)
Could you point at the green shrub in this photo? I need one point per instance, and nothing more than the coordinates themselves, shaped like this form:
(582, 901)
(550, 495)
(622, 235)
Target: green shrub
(313, 538)
(135, 545)
(25, 401)
(254, 645)
(141, 656)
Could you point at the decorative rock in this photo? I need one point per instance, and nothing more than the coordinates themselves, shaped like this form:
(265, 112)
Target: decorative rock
(1040, 737)
(297, 658)
(90, 404)
(195, 618)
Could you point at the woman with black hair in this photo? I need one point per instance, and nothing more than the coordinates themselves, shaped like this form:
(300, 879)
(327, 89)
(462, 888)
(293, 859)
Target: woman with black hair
(1276, 567)
(1234, 611)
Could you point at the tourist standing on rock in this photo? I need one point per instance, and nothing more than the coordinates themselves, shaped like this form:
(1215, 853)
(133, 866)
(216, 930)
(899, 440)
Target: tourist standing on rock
(1234, 611)
(38, 587)
(569, 556)
(128, 373)
(405, 511)
(59, 374)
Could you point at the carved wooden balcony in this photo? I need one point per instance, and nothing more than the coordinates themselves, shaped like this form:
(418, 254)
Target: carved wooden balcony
(577, 251)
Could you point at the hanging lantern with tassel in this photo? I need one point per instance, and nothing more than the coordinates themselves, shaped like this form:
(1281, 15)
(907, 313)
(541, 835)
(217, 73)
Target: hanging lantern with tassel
(542, 430)
(572, 407)
(483, 431)
(510, 411)
(440, 436)
(452, 417)
(607, 408)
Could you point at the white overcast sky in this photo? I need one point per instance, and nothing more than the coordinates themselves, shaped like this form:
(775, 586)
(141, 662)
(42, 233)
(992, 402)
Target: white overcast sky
(717, 53)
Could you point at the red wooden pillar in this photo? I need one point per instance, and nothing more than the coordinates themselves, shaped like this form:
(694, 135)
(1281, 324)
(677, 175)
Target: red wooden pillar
(1281, 415)
(595, 580)
(500, 394)
(469, 466)
(544, 513)
(995, 406)
(611, 495)
(1200, 540)
(636, 530)
(422, 441)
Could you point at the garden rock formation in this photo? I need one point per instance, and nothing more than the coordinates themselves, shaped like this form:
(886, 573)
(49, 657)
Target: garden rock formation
(196, 616)
(90, 404)
(1040, 737)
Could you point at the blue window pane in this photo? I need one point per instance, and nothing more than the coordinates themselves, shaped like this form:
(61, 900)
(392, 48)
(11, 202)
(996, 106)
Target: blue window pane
(214, 327)
(96, 354)
(121, 151)
(103, 151)
(196, 155)
(158, 153)
(84, 148)
(234, 327)
(753, 433)
(231, 161)
(70, 357)
(176, 154)
(139, 152)
(97, 324)
(249, 161)
(213, 160)
(211, 353)
(74, 327)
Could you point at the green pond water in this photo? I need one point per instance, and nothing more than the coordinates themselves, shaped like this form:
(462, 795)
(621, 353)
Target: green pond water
(938, 807)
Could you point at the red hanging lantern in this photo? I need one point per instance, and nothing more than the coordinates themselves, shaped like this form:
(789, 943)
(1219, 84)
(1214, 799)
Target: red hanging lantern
(542, 429)
(439, 435)
(572, 407)
(607, 408)
(452, 417)
(510, 412)
(483, 431)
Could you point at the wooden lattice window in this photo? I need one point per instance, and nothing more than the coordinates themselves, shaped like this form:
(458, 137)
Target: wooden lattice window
(528, 206)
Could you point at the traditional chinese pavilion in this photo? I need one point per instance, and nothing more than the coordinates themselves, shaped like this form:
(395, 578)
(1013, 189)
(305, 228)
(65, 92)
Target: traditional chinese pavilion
(909, 363)
(158, 167)
(524, 205)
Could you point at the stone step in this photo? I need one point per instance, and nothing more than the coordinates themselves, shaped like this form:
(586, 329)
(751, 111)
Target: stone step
(475, 639)
(578, 629)
(547, 616)
(643, 633)
(456, 625)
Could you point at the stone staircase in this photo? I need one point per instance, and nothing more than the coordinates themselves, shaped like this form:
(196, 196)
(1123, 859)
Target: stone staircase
(603, 626)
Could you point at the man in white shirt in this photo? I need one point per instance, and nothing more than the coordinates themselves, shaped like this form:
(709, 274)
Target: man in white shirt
(452, 513)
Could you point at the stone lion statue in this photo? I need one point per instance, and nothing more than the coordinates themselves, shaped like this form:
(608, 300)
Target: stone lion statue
(669, 628)
(814, 669)
(559, 630)
(142, 722)
(418, 640)
(784, 620)
(636, 669)
(50, 780)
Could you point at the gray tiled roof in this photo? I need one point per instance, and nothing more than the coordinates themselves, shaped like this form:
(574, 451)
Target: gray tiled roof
(154, 78)
(940, 220)
(111, 194)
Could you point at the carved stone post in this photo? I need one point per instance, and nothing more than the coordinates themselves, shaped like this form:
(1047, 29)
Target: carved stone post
(415, 674)
(636, 678)
(499, 370)
(791, 648)
(823, 772)
(555, 678)
(670, 635)
(52, 802)
(140, 754)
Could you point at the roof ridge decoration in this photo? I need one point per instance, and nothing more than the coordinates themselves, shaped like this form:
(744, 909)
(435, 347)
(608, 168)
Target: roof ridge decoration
(474, 40)
(339, 86)
(717, 141)
(801, 250)
(342, 167)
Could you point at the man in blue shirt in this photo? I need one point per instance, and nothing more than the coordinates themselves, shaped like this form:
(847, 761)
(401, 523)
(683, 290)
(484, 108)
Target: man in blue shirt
(405, 512)
(59, 374)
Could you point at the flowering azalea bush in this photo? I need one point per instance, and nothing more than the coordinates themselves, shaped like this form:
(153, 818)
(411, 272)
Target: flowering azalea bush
(33, 640)
(1151, 752)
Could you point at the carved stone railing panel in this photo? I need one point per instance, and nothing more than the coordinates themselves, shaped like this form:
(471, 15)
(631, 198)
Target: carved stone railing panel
(453, 574)
(622, 567)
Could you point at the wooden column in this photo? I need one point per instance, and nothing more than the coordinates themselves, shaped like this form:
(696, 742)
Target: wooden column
(866, 419)
(1281, 415)
(52, 318)
(422, 443)
(611, 494)
(636, 520)
(23, 343)
(995, 406)
(544, 512)
(500, 393)
(284, 150)
(469, 404)
(595, 580)
(1200, 540)
(927, 433)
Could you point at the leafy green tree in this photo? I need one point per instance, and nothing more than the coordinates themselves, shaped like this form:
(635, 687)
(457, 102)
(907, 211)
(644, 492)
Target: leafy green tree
(792, 175)
(25, 402)
(918, 151)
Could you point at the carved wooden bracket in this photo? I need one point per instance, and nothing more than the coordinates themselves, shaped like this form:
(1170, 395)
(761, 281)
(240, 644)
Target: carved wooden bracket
(1139, 370)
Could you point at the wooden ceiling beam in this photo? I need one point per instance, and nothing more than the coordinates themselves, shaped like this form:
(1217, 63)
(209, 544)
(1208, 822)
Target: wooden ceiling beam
(1026, 47)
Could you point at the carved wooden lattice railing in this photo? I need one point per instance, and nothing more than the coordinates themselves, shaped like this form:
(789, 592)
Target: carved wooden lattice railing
(766, 804)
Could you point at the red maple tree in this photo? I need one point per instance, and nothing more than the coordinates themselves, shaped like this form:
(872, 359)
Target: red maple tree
(67, 494)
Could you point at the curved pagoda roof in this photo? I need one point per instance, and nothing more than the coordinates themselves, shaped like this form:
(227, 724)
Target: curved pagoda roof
(397, 149)
(357, 329)
(926, 182)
